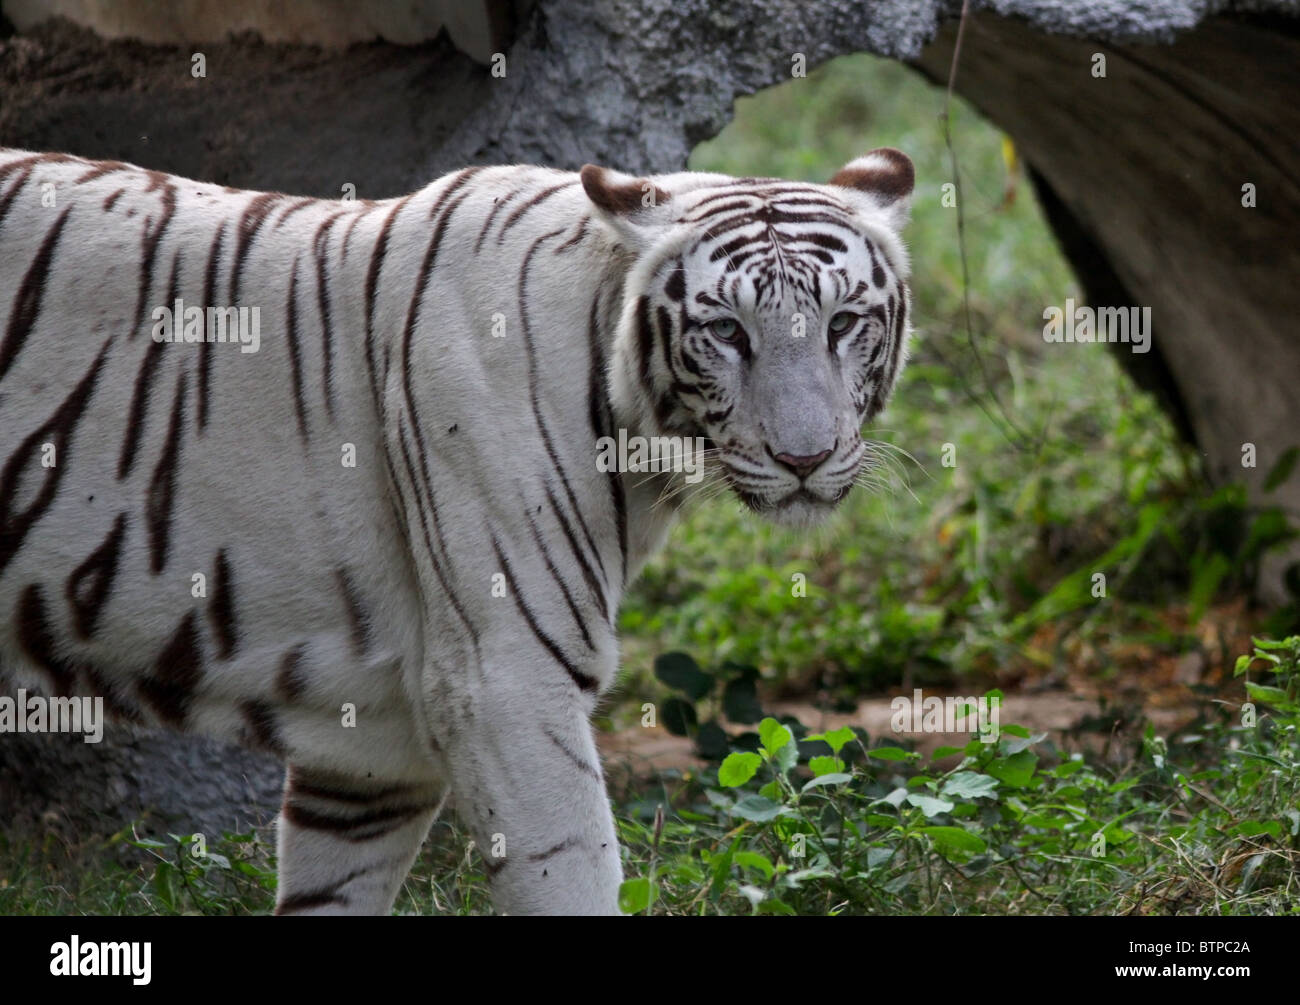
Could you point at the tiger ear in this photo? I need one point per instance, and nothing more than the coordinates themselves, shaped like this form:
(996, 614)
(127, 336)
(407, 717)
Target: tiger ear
(887, 177)
(635, 207)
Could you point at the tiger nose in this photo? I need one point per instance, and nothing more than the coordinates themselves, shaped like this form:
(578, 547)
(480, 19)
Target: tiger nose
(801, 464)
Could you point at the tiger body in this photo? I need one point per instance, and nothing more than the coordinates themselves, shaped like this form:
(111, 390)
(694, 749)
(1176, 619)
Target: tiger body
(378, 546)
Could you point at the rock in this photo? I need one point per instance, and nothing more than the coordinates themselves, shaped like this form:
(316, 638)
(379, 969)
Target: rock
(169, 783)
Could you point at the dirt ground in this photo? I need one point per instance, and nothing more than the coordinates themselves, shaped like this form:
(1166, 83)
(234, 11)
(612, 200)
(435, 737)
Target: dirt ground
(1070, 720)
(1092, 695)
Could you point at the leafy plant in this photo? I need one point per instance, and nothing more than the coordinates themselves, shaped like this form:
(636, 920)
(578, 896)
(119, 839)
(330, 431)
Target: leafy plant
(730, 691)
(190, 878)
(1202, 822)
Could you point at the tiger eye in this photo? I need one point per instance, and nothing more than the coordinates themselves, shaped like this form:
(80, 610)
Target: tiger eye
(724, 329)
(842, 322)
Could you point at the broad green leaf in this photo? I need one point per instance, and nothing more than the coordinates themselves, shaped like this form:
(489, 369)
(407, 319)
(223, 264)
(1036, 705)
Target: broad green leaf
(955, 839)
(740, 701)
(753, 860)
(794, 879)
(758, 808)
(889, 753)
(712, 741)
(787, 757)
(681, 673)
(836, 738)
(678, 716)
(1268, 695)
(834, 778)
(634, 895)
(825, 765)
(969, 785)
(1016, 744)
(773, 735)
(929, 805)
(901, 882)
(738, 768)
(1016, 770)
(1251, 828)
(1067, 769)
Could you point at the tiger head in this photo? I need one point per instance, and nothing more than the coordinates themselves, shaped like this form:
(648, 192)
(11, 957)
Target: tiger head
(767, 317)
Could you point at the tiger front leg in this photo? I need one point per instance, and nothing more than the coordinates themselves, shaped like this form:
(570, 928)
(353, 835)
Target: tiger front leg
(527, 781)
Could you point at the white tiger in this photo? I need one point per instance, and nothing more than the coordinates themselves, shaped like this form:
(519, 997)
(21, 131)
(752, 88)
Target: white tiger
(379, 544)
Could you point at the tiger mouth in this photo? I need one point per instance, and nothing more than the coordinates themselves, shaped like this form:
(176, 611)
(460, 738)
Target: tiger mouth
(760, 504)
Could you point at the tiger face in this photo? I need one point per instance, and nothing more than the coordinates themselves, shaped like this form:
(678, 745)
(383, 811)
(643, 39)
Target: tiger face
(768, 318)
